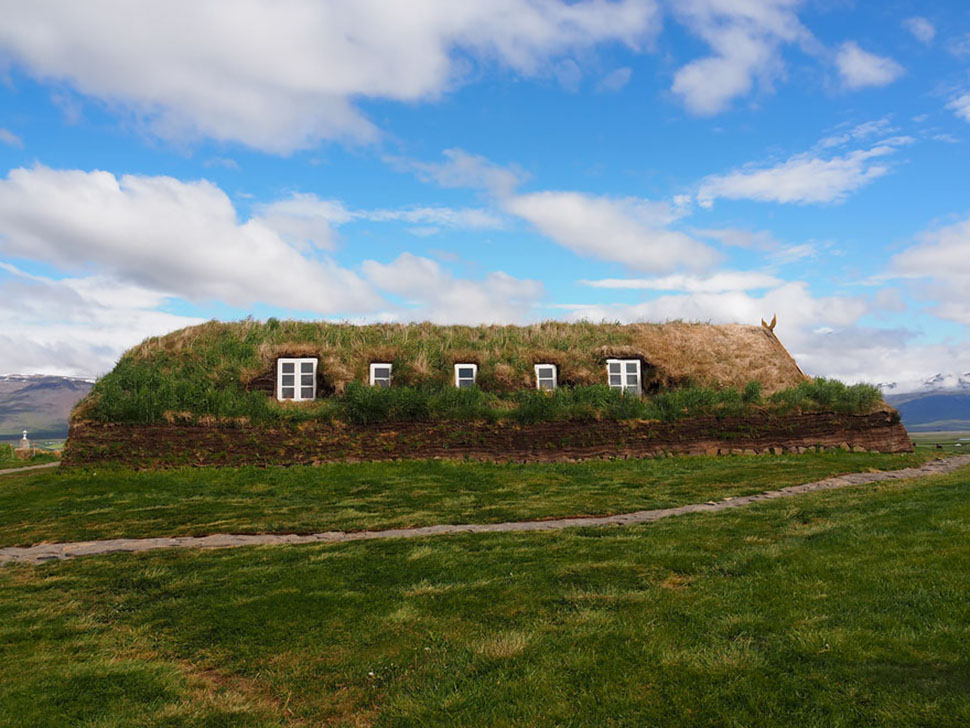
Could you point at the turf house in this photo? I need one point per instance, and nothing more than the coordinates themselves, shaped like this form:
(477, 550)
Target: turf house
(286, 392)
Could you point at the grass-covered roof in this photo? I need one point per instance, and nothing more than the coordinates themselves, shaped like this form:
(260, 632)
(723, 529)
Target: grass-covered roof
(218, 368)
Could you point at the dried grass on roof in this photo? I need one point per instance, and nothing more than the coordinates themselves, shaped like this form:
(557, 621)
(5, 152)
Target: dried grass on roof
(673, 353)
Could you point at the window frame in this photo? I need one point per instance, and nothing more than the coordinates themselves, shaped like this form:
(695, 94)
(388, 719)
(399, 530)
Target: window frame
(474, 367)
(298, 362)
(555, 377)
(623, 386)
(390, 373)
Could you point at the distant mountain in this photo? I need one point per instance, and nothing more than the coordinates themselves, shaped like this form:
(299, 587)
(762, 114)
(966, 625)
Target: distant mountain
(933, 410)
(39, 404)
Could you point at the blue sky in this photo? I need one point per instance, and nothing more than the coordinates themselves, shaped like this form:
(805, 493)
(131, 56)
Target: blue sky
(164, 163)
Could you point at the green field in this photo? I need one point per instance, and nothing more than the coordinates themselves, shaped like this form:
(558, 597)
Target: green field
(8, 459)
(950, 441)
(838, 608)
(90, 504)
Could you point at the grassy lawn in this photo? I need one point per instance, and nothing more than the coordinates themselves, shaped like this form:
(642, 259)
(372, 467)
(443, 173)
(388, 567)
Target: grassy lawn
(833, 609)
(82, 505)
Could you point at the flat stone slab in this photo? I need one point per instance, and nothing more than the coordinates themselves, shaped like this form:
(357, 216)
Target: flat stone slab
(56, 551)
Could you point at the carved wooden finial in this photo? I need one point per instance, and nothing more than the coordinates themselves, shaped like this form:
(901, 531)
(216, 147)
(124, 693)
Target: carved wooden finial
(771, 326)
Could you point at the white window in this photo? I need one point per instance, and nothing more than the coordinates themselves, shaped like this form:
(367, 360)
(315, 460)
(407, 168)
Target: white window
(380, 375)
(465, 375)
(624, 374)
(296, 379)
(546, 376)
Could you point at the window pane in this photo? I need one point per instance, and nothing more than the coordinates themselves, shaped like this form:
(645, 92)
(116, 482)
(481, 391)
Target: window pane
(306, 392)
(616, 380)
(382, 372)
(306, 380)
(545, 384)
(382, 383)
(306, 367)
(466, 383)
(287, 392)
(614, 367)
(632, 379)
(466, 373)
(631, 366)
(287, 367)
(632, 390)
(288, 380)
(545, 372)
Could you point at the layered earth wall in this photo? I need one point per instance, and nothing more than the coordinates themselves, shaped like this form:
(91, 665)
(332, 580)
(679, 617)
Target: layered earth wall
(154, 446)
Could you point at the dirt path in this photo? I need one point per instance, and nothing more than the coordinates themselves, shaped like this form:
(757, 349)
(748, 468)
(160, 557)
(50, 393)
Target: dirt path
(28, 468)
(54, 551)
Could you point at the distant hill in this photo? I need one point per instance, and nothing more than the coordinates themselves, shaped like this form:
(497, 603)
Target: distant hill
(934, 410)
(39, 404)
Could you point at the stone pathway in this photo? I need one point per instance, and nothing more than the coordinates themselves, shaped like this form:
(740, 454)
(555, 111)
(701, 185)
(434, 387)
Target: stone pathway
(27, 468)
(54, 551)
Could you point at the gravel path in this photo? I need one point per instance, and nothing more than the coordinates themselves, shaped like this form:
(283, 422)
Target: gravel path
(54, 551)
(26, 468)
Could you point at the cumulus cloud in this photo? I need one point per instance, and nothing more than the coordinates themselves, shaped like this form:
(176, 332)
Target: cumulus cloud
(942, 257)
(432, 293)
(283, 76)
(922, 29)
(74, 326)
(804, 178)
(625, 230)
(858, 68)
(179, 238)
(745, 40)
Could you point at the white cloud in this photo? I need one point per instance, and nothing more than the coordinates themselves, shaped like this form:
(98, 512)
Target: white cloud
(615, 80)
(74, 326)
(306, 220)
(877, 127)
(626, 230)
(726, 280)
(824, 334)
(224, 162)
(858, 68)
(739, 238)
(745, 39)
(961, 106)
(9, 138)
(959, 46)
(431, 293)
(943, 258)
(922, 29)
(178, 238)
(804, 178)
(465, 218)
(792, 301)
(461, 169)
(283, 76)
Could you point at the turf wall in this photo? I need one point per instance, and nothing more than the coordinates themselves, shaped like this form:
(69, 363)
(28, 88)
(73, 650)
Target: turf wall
(154, 446)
